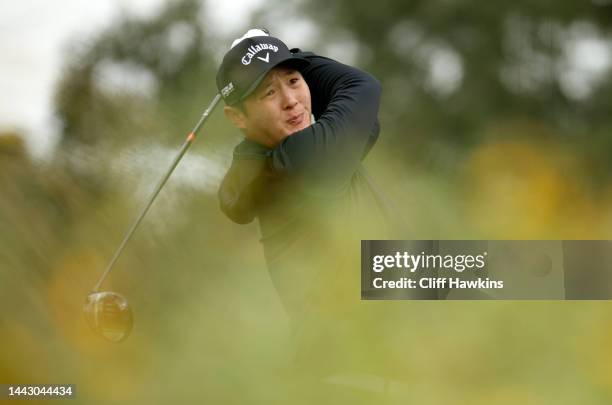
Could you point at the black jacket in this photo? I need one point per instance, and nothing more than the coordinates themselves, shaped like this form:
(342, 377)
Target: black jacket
(311, 195)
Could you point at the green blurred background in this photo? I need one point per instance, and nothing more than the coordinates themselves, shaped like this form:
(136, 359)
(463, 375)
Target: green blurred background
(495, 125)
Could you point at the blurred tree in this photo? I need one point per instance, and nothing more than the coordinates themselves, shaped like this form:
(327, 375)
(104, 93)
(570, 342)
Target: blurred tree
(139, 77)
(39, 205)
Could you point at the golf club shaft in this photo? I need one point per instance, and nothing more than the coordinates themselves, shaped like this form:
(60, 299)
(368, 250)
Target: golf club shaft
(190, 137)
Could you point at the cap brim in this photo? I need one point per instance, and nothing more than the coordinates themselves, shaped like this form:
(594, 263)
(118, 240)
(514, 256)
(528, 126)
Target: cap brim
(294, 61)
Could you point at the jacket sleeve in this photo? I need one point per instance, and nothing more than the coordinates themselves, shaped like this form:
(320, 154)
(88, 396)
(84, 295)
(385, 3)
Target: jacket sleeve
(345, 103)
(237, 190)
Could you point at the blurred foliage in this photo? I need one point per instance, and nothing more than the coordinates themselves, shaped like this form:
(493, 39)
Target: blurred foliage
(511, 57)
(499, 149)
(141, 77)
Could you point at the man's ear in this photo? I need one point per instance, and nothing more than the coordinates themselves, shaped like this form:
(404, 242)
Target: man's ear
(236, 116)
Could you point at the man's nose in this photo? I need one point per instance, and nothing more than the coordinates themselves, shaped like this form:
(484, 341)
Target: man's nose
(289, 98)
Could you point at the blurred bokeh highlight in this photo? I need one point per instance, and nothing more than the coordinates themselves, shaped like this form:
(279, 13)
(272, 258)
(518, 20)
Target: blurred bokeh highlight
(495, 125)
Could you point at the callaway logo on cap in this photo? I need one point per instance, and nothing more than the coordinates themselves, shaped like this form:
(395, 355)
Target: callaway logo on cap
(254, 50)
(248, 61)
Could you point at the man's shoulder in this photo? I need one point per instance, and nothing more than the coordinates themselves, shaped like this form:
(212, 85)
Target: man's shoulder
(313, 57)
(250, 150)
(300, 53)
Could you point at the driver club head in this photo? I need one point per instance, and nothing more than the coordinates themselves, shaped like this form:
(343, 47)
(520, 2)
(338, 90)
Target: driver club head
(109, 315)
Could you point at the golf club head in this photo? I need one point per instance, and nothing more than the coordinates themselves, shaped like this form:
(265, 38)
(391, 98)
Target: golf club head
(109, 315)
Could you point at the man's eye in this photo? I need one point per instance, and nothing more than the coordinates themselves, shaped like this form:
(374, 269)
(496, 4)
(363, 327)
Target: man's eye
(268, 93)
(294, 80)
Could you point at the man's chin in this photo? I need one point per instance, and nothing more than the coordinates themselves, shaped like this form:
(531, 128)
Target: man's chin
(286, 135)
(291, 131)
(295, 130)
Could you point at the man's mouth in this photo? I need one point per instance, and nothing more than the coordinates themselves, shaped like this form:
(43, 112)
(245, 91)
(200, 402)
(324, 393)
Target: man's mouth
(296, 119)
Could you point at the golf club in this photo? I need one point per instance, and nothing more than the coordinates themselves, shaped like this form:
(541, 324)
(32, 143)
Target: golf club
(108, 313)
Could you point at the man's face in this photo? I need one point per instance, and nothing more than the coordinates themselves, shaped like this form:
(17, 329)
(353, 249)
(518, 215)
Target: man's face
(279, 107)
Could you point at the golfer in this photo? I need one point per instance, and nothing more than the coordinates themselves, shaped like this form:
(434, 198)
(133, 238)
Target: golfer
(308, 122)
